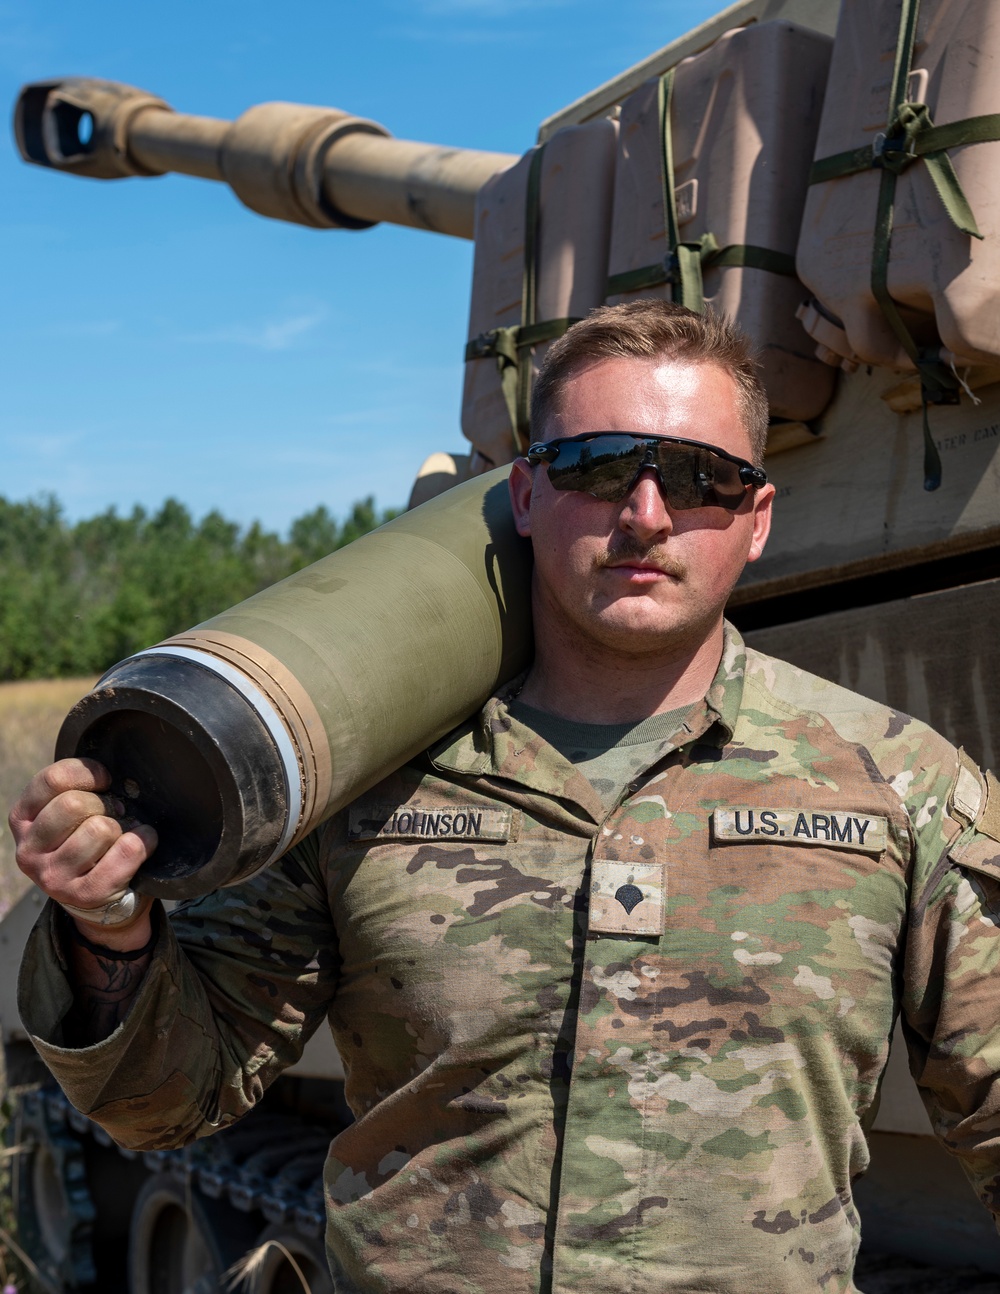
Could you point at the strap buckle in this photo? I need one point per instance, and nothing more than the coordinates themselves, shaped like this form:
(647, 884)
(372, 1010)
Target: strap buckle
(482, 347)
(894, 152)
(672, 268)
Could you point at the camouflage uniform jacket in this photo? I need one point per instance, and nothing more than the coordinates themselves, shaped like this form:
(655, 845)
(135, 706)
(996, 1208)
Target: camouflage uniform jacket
(596, 1052)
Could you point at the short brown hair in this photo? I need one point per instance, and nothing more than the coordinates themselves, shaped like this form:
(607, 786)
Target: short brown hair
(648, 329)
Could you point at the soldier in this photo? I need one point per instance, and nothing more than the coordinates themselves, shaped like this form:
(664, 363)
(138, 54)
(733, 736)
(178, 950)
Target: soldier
(613, 967)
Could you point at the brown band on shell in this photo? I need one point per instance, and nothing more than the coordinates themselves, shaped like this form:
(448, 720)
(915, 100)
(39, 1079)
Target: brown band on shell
(292, 702)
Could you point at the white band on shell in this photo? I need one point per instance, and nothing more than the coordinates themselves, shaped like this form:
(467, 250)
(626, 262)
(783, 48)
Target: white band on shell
(271, 720)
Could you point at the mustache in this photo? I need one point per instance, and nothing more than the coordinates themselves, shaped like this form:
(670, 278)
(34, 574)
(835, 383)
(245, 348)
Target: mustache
(626, 548)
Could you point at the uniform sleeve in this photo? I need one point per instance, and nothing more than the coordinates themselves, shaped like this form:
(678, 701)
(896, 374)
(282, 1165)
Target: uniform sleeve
(239, 982)
(951, 979)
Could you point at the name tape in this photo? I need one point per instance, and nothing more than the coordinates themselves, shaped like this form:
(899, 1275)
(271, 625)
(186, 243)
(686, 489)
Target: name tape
(835, 829)
(458, 822)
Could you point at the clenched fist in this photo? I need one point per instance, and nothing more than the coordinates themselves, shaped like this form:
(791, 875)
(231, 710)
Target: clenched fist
(74, 841)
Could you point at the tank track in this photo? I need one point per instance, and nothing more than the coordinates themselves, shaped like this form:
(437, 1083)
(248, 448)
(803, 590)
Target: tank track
(270, 1163)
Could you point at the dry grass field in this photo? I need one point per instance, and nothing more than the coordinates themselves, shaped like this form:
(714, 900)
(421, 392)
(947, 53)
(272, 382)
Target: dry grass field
(30, 715)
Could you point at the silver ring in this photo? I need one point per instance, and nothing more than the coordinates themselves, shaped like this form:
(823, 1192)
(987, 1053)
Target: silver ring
(113, 913)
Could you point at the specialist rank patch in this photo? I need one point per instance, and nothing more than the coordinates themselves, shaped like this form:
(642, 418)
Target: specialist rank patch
(834, 828)
(626, 898)
(457, 822)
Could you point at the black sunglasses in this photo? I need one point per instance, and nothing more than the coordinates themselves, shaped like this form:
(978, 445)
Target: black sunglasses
(607, 464)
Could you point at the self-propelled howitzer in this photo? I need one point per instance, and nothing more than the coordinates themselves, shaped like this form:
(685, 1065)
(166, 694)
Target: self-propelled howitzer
(310, 165)
(744, 165)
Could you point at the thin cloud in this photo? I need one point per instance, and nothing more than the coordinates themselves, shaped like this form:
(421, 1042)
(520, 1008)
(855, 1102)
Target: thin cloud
(365, 417)
(48, 446)
(276, 334)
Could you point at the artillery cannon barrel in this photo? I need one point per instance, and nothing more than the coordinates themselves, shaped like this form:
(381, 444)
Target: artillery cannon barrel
(177, 141)
(314, 166)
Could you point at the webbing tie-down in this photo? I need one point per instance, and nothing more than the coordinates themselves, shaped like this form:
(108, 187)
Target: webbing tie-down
(685, 263)
(910, 136)
(512, 346)
(918, 139)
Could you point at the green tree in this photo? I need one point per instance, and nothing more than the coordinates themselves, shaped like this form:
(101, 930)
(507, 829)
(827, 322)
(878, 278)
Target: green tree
(76, 598)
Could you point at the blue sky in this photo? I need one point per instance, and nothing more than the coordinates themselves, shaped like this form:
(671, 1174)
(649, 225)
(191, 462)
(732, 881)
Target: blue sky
(159, 339)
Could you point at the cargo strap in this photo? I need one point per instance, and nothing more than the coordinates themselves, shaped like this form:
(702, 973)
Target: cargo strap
(911, 136)
(684, 265)
(512, 346)
(915, 139)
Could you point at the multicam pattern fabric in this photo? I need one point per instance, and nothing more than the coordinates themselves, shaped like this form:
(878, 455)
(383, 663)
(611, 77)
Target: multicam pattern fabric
(547, 1099)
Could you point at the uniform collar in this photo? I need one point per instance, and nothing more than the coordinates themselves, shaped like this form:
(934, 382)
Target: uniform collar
(495, 745)
(724, 699)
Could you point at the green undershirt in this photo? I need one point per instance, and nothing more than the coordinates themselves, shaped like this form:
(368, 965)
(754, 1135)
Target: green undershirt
(608, 755)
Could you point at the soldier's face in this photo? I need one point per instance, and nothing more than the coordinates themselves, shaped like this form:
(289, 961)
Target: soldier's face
(639, 576)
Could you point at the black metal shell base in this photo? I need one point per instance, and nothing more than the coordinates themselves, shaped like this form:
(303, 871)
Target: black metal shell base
(189, 755)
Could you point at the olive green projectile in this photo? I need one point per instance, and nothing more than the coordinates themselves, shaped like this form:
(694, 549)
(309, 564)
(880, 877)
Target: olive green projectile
(238, 737)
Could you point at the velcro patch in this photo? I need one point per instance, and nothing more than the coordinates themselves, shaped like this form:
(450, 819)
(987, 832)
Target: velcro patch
(967, 797)
(626, 898)
(989, 819)
(834, 828)
(406, 822)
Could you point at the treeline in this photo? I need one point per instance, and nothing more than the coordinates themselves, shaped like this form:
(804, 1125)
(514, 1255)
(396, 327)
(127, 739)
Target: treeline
(76, 598)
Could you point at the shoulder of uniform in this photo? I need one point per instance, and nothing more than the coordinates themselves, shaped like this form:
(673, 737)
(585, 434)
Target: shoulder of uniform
(795, 689)
(889, 735)
(419, 784)
(395, 789)
(321, 851)
(400, 786)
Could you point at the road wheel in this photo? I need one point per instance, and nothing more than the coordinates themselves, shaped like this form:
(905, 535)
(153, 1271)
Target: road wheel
(49, 1191)
(285, 1250)
(180, 1242)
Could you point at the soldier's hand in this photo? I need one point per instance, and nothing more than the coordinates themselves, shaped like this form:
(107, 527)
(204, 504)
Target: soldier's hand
(73, 843)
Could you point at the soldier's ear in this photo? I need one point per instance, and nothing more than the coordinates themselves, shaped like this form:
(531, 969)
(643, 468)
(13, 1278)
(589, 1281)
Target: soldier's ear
(521, 484)
(763, 499)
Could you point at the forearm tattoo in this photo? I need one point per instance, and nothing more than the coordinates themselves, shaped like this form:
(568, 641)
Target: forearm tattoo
(105, 990)
(105, 986)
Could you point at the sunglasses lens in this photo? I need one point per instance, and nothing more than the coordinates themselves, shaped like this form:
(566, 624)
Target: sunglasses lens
(606, 467)
(603, 466)
(697, 478)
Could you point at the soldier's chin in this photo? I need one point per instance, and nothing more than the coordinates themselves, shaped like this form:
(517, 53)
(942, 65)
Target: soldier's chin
(640, 626)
